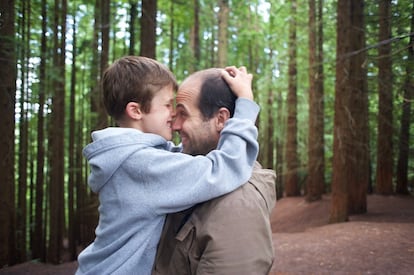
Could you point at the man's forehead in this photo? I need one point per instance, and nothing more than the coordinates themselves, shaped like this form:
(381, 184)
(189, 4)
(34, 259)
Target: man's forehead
(189, 90)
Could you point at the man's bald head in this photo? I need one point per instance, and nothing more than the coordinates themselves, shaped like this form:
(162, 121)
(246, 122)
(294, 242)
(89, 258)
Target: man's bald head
(211, 91)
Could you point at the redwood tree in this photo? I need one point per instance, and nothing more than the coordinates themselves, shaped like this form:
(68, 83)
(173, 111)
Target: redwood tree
(385, 119)
(148, 28)
(350, 152)
(38, 238)
(7, 102)
(57, 135)
(291, 174)
(223, 16)
(404, 138)
(195, 38)
(316, 161)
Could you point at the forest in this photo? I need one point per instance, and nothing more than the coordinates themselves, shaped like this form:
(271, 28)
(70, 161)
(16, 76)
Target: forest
(334, 79)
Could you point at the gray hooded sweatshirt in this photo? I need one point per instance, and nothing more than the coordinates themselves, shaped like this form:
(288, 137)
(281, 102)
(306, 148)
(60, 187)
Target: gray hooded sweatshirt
(139, 180)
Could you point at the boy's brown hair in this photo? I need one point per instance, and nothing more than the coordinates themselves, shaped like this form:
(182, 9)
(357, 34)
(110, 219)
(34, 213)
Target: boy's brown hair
(133, 79)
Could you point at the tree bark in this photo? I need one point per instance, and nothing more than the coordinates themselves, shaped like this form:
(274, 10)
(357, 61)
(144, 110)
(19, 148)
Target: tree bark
(195, 38)
(57, 135)
(39, 249)
(7, 127)
(292, 163)
(223, 18)
(350, 156)
(148, 28)
(404, 138)
(358, 105)
(21, 213)
(315, 176)
(385, 119)
(133, 15)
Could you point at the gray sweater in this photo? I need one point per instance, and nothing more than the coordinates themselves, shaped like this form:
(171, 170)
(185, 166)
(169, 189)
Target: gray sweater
(139, 180)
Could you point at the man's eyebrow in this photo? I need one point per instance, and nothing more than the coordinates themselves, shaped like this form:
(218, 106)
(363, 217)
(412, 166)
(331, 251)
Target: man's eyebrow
(180, 105)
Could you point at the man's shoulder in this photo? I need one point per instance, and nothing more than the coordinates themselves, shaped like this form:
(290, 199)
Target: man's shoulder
(243, 198)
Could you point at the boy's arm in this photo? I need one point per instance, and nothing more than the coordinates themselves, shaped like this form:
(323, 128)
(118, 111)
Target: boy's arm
(239, 81)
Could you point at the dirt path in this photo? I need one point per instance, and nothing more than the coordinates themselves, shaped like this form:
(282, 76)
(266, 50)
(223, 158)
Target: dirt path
(379, 242)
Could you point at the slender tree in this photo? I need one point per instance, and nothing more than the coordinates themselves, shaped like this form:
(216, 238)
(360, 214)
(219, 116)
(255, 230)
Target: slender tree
(171, 37)
(133, 15)
(21, 212)
(100, 43)
(72, 233)
(315, 137)
(56, 189)
(148, 28)
(195, 38)
(7, 114)
(292, 162)
(223, 18)
(385, 119)
(404, 137)
(105, 23)
(320, 92)
(39, 249)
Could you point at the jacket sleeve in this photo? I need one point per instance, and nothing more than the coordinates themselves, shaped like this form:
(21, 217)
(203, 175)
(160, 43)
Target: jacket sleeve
(178, 181)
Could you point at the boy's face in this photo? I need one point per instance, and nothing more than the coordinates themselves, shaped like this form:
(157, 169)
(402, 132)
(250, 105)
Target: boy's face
(158, 120)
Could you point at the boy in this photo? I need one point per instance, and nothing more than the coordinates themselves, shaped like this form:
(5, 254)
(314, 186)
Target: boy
(139, 180)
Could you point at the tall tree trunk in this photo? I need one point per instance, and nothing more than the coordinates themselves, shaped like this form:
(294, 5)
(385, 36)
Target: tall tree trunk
(223, 18)
(39, 250)
(172, 39)
(359, 182)
(21, 213)
(195, 38)
(56, 191)
(404, 138)
(100, 43)
(292, 163)
(148, 28)
(72, 153)
(7, 127)
(105, 23)
(385, 119)
(133, 16)
(270, 130)
(320, 91)
(350, 156)
(315, 137)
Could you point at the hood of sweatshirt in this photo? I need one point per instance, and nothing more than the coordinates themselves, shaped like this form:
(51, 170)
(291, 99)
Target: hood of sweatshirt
(265, 182)
(111, 147)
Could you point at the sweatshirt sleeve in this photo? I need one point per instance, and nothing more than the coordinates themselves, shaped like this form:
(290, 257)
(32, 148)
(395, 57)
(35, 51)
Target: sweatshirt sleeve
(178, 181)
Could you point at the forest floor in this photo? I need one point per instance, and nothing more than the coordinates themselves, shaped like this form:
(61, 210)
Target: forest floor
(379, 242)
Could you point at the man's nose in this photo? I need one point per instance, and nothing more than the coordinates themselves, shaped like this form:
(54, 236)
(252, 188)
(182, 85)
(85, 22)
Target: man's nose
(176, 126)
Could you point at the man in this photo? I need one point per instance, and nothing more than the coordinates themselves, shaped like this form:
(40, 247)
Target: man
(230, 234)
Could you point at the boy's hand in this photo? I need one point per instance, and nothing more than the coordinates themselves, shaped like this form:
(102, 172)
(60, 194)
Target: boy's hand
(239, 81)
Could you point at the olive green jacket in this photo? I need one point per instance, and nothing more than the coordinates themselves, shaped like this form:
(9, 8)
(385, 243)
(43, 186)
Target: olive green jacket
(227, 235)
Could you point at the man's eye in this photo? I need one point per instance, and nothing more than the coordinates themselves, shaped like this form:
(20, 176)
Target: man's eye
(181, 114)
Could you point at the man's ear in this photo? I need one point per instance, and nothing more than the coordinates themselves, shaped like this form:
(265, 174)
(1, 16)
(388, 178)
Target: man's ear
(133, 110)
(223, 115)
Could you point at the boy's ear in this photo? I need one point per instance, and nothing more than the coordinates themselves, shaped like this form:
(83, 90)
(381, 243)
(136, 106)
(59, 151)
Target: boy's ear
(133, 110)
(223, 115)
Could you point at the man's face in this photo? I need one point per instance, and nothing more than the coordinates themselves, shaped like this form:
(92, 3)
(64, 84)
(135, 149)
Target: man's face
(198, 136)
